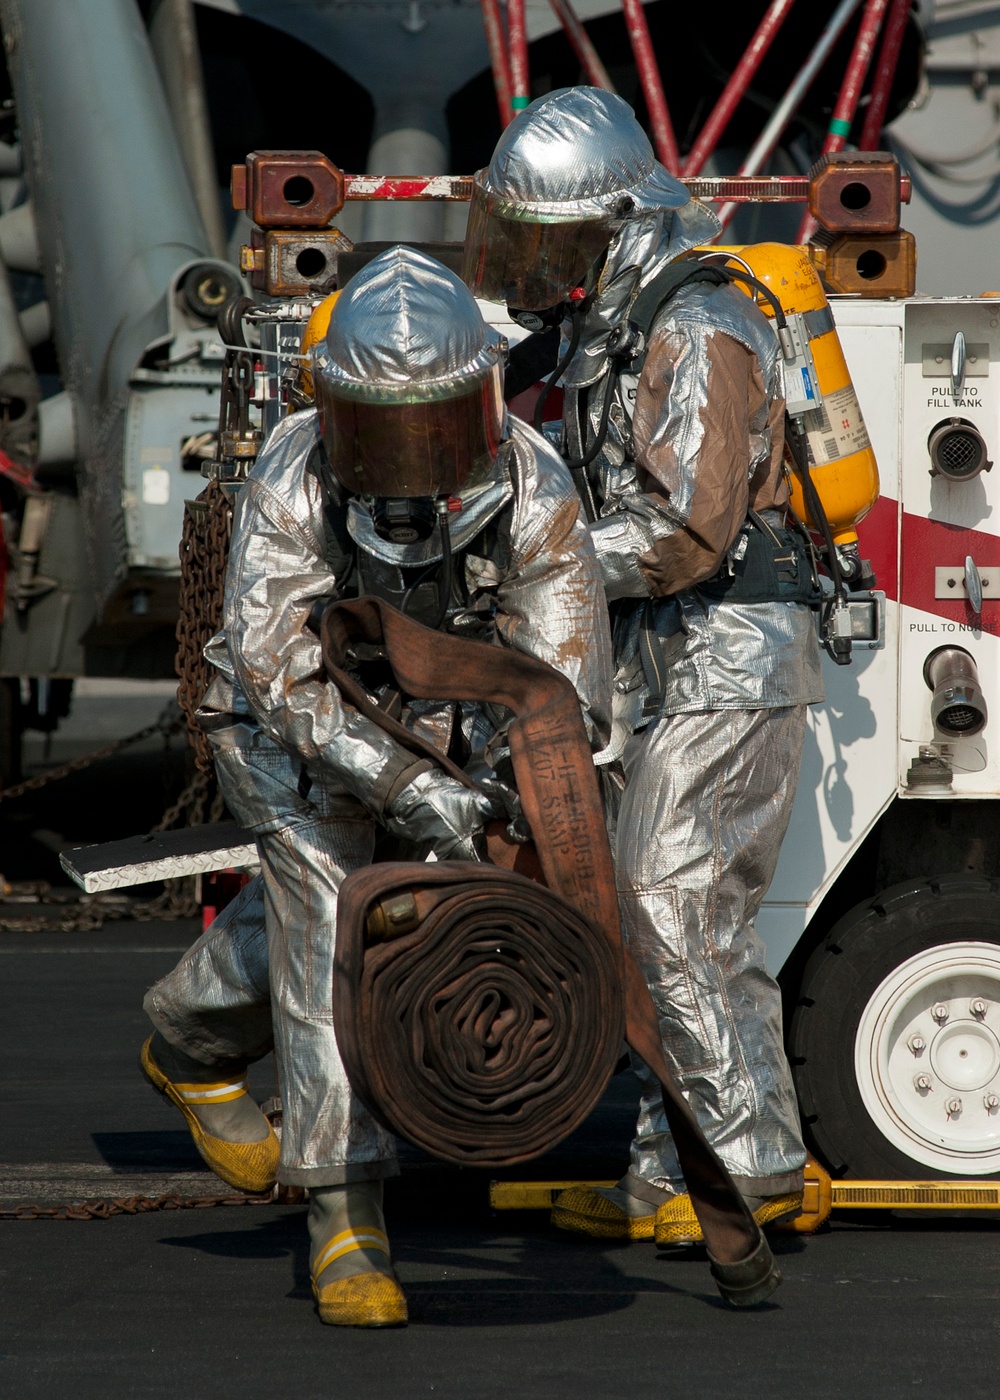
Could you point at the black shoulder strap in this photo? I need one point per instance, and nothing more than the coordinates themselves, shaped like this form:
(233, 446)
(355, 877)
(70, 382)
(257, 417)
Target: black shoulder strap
(667, 284)
(531, 359)
(340, 549)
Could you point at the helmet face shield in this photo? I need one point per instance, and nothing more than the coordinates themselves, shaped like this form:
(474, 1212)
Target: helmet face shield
(525, 258)
(409, 381)
(417, 446)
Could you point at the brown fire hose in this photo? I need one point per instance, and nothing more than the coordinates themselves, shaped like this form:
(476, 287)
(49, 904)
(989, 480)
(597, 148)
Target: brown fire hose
(438, 1026)
(478, 1010)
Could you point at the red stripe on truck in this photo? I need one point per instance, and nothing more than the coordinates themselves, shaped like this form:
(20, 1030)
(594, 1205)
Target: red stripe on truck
(929, 544)
(877, 541)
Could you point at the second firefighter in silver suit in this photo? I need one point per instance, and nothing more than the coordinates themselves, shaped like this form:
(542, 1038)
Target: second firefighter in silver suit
(574, 213)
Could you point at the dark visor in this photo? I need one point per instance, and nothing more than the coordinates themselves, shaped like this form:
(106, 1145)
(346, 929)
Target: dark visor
(525, 262)
(428, 448)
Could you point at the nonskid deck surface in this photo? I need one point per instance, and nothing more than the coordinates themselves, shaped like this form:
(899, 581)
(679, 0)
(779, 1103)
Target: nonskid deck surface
(216, 1301)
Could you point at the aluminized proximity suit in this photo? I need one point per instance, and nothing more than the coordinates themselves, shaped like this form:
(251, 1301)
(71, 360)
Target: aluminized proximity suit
(709, 783)
(711, 762)
(312, 778)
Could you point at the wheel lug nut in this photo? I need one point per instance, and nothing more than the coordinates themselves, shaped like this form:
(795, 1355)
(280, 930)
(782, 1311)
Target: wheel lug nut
(978, 1007)
(953, 1107)
(917, 1044)
(991, 1102)
(940, 1012)
(921, 1083)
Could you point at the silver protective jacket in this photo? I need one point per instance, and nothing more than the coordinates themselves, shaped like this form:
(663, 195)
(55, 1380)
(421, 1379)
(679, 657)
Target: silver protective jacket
(537, 594)
(693, 441)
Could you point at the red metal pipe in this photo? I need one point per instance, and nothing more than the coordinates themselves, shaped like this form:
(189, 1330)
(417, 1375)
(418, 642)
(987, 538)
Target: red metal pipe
(740, 189)
(652, 87)
(499, 61)
(735, 90)
(517, 36)
(854, 78)
(594, 69)
(885, 72)
(849, 96)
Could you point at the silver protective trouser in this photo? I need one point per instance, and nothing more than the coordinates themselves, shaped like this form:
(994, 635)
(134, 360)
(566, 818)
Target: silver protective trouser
(263, 973)
(706, 802)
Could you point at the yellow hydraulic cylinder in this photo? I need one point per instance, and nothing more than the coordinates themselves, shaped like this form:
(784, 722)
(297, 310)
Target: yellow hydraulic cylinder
(820, 1196)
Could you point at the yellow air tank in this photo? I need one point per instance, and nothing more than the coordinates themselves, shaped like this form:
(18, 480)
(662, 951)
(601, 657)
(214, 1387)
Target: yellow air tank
(841, 461)
(314, 332)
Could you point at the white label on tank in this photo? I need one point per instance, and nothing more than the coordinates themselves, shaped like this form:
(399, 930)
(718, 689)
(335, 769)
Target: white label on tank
(155, 487)
(835, 429)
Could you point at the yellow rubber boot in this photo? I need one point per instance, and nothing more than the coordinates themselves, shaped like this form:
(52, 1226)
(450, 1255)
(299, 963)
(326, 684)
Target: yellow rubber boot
(352, 1276)
(609, 1212)
(229, 1130)
(676, 1222)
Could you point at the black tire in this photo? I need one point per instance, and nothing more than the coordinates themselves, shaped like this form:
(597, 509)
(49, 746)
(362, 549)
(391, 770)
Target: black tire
(840, 978)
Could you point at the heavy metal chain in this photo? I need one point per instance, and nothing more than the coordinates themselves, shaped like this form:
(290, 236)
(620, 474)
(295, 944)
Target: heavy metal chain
(208, 523)
(103, 1208)
(87, 913)
(167, 724)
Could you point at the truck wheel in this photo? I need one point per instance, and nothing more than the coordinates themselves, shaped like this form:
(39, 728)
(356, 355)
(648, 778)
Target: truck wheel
(895, 1040)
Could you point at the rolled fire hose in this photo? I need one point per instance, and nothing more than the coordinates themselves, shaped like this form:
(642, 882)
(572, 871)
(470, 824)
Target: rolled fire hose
(478, 1012)
(482, 1012)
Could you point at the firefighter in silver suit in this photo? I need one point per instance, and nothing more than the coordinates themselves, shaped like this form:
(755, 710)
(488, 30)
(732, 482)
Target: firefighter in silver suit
(409, 482)
(675, 440)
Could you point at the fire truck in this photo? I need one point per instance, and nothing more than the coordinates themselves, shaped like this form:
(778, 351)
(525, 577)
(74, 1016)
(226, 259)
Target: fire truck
(883, 921)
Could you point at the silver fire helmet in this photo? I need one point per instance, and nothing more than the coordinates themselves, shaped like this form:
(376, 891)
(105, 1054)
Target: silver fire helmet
(567, 173)
(409, 381)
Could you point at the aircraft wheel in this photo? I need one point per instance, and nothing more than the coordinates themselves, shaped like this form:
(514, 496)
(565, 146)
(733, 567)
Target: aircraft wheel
(895, 1041)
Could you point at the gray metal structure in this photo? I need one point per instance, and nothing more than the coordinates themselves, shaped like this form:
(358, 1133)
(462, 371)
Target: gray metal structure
(949, 142)
(132, 288)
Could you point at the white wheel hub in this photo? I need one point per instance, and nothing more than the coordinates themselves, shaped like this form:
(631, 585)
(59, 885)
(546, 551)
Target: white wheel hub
(927, 1058)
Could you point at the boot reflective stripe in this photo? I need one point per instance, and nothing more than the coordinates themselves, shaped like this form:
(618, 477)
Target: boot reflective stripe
(348, 1240)
(210, 1093)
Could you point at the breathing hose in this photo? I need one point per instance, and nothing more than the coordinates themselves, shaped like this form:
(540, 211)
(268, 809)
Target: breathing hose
(841, 653)
(576, 325)
(446, 576)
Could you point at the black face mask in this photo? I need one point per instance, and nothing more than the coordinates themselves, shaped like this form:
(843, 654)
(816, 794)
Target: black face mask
(575, 305)
(404, 519)
(539, 320)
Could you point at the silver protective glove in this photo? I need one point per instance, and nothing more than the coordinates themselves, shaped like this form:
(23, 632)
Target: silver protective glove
(439, 813)
(495, 776)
